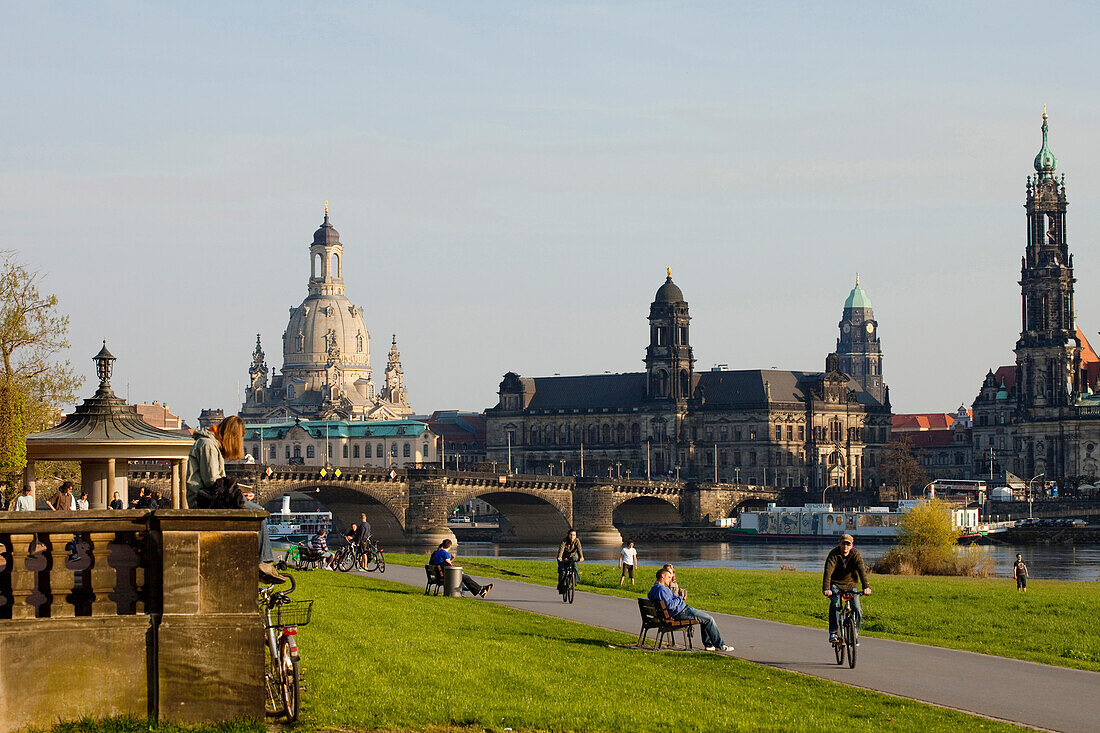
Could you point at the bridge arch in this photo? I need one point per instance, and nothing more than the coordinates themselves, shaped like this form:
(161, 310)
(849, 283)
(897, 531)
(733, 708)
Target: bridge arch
(530, 514)
(647, 509)
(346, 501)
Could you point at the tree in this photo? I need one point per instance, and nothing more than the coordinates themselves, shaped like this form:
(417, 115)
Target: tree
(900, 468)
(34, 380)
(928, 526)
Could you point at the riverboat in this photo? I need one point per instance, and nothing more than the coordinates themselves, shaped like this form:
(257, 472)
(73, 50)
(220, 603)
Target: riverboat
(821, 522)
(293, 527)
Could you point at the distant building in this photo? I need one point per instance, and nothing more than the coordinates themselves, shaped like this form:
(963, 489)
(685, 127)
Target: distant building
(1041, 416)
(461, 437)
(211, 416)
(159, 416)
(758, 426)
(940, 441)
(326, 372)
(380, 443)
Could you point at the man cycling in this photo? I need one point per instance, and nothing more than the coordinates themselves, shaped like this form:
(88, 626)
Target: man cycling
(843, 567)
(569, 554)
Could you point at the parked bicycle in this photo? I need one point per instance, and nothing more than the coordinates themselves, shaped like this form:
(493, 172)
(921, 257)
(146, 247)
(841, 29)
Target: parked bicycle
(847, 635)
(282, 676)
(350, 556)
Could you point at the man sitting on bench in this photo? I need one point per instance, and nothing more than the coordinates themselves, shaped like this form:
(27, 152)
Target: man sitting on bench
(678, 608)
(442, 556)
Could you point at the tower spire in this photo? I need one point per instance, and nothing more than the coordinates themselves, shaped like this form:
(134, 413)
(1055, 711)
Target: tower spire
(1045, 162)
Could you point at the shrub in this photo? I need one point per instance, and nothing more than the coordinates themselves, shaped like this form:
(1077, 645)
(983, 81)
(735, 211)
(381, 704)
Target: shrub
(928, 546)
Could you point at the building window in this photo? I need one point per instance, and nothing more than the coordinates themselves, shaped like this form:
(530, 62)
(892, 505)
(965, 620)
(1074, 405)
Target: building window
(752, 435)
(605, 433)
(724, 432)
(710, 432)
(778, 432)
(298, 451)
(737, 434)
(272, 453)
(378, 451)
(790, 432)
(801, 432)
(752, 458)
(288, 451)
(330, 450)
(309, 451)
(407, 451)
(345, 450)
(393, 451)
(424, 451)
(355, 451)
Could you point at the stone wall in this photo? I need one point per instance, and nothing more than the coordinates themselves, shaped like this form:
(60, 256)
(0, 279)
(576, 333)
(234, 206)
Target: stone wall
(150, 614)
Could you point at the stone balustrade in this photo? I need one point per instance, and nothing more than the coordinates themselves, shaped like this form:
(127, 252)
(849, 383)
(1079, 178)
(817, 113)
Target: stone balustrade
(139, 613)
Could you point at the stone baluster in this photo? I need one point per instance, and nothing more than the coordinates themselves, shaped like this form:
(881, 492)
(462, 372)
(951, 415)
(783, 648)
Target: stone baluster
(60, 578)
(129, 576)
(24, 577)
(101, 575)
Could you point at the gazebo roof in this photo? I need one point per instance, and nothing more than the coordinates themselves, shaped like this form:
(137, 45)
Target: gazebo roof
(105, 426)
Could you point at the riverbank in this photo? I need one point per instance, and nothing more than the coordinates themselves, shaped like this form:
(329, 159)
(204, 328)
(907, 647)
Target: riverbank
(1052, 624)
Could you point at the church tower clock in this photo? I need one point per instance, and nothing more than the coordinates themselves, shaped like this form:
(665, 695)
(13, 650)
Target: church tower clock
(1047, 352)
(858, 348)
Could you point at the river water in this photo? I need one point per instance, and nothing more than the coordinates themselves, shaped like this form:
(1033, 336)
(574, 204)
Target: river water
(1053, 562)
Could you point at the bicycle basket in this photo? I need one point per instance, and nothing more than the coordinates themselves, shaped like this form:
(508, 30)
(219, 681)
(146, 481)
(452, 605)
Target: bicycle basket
(293, 613)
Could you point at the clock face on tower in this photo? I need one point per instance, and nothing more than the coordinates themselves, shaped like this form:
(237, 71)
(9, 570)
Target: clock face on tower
(870, 328)
(846, 327)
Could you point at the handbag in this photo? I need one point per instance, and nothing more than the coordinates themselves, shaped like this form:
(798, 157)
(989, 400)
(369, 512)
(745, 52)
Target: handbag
(222, 494)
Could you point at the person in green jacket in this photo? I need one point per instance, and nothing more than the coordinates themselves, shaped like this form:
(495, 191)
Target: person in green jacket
(843, 568)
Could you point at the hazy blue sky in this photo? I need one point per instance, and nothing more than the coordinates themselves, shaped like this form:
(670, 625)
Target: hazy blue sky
(510, 180)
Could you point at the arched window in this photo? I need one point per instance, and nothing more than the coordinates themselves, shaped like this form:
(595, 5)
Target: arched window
(593, 434)
(309, 451)
(407, 451)
(621, 433)
(635, 433)
(685, 383)
(298, 451)
(315, 266)
(345, 450)
(335, 265)
(534, 436)
(355, 451)
(662, 383)
(378, 451)
(424, 450)
(605, 433)
(393, 450)
(359, 341)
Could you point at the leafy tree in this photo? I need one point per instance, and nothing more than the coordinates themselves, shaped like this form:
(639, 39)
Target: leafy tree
(900, 468)
(928, 526)
(34, 380)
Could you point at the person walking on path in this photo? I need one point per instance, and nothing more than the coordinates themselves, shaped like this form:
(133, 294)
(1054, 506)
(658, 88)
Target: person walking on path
(628, 561)
(569, 554)
(843, 568)
(442, 556)
(206, 464)
(25, 502)
(1019, 570)
(678, 608)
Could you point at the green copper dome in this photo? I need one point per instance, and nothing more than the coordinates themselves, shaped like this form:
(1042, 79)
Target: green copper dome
(1045, 162)
(857, 298)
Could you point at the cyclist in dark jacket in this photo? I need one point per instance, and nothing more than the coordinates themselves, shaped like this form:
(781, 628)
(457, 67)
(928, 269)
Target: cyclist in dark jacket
(843, 568)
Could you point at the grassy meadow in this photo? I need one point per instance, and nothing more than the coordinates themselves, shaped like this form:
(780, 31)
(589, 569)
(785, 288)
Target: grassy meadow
(1053, 623)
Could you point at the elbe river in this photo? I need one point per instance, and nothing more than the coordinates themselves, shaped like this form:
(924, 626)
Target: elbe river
(1053, 562)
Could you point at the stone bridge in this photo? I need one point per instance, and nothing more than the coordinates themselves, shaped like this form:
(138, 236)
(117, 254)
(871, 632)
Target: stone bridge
(411, 506)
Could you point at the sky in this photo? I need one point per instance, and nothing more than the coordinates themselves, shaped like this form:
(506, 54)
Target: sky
(510, 181)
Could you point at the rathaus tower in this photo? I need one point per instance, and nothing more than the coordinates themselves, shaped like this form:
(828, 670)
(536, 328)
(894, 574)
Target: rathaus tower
(858, 348)
(326, 370)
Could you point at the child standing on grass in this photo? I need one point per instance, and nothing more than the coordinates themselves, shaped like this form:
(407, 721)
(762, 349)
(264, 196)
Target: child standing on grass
(1019, 569)
(628, 560)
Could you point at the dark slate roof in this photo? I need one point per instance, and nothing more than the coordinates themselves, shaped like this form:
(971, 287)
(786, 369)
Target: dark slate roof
(669, 293)
(104, 418)
(588, 391)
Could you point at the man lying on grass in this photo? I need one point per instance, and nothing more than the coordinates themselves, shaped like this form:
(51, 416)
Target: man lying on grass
(442, 556)
(678, 608)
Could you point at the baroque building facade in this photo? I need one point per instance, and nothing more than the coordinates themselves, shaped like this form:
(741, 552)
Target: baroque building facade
(326, 372)
(1041, 416)
(815, 429)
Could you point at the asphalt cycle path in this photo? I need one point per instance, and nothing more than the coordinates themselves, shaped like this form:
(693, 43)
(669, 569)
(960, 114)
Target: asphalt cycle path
(1027, 693)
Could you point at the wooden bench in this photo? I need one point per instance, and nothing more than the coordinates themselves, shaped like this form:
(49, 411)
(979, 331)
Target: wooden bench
(656, 616)
(435, 579)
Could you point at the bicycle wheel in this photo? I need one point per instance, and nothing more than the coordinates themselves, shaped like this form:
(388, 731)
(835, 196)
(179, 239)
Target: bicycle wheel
(346, 560)
(838, 647)
(571, 588)
(370, 561)
(290, 685)
(274, 705)
(381, 563)
(850, 639)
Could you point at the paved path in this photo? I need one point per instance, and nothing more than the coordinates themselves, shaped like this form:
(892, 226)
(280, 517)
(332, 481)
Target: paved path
(1026, 693)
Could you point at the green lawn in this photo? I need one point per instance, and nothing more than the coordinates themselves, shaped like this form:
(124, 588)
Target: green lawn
(1053, 623)
(382, 656)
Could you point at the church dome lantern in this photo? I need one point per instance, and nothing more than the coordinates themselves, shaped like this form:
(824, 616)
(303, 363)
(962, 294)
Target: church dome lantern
(1045, 162)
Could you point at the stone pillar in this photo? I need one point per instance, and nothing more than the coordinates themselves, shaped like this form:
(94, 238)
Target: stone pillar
(703, 503)
(593, 508)
(429, 507)
(210, 642)
(28, 479)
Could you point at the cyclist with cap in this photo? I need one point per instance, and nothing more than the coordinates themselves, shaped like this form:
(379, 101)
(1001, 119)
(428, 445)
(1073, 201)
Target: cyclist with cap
(843, 569)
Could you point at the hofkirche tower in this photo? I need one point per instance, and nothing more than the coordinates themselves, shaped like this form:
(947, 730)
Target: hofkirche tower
(326, 370)
(1047, 352)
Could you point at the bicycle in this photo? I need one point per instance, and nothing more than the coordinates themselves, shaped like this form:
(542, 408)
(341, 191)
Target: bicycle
(350, 556)
(282, 676)
(847, 636)
(569, 582)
